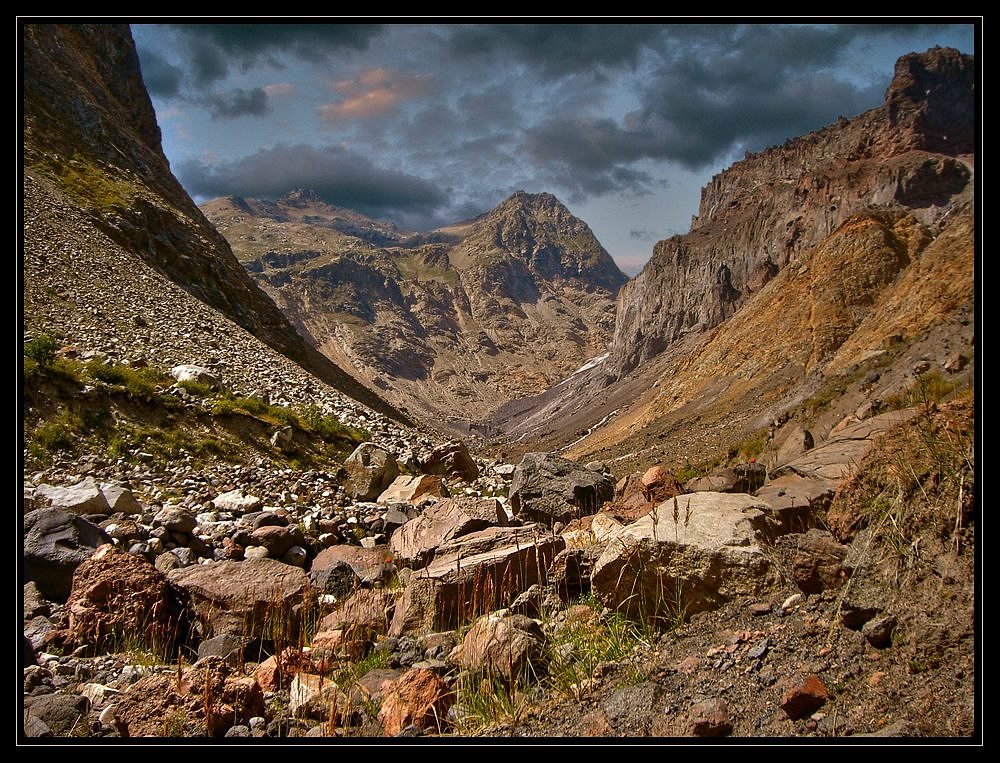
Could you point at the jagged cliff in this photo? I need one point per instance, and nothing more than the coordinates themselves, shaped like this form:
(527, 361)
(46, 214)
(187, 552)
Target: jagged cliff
(819, 273)
(765, 211)
(450, 323)
(90, 136)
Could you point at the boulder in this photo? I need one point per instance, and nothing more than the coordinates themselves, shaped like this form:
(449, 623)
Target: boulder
(722, 480)
(364, 615)
(547, 488)
(318, 697)
(369, 565)
(193, 373)
(370, 470)
(236, 502)
(692, 553)
(61, 713)
(119, 598)
(175, 520)
(451, 460)
(473, 575)
(412, 489)
(120, 500)
(804, 696)
(417, 698)
(658, 485)
(709, 718)
(415, 542)
(85, 497)
(506, 646)
(276, 672)
(56, 542)
(277, 540)
(256, 598)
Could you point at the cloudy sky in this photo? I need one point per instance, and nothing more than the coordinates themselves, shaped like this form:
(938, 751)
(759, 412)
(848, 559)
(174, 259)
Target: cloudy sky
(429, 124)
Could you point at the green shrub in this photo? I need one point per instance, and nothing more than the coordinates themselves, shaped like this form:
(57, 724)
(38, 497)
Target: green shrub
(196, 388)
(137, 382)
(41, 349)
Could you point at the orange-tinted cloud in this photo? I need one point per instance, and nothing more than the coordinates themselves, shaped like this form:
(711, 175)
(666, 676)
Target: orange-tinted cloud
(279, 89)
(374, 93)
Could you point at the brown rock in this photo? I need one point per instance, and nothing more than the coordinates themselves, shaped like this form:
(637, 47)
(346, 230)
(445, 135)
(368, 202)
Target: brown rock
(370, 565)
(708, 719)
(473, 575)
(119, 597)
(451, 460)
(505, 646)
(658, 485)
(804, 697)
(317, 697)
(722, 480)
(415, 542)
(275, 673)
(366, 614)
(373, 682)
(817, 561)
(277, 540)
(412, 489)
(370, 470)
(595, 724)
(420, 698)
(254, 598)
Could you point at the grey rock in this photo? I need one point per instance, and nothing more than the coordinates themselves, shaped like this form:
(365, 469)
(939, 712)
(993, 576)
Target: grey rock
(121, 500)
(60, 712)
(237, 502)
(296, 556)
(370, 470)
(878, 631)
(194, 373)
(175, 519)
(55, 543)
(237, 731)
(34, 602)
(85, 497)
(228, 646)
(549, 489)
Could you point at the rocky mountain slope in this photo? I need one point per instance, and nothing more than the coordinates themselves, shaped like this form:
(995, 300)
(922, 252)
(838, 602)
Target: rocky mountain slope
(817, 275)
(91, 142)
(449, 324)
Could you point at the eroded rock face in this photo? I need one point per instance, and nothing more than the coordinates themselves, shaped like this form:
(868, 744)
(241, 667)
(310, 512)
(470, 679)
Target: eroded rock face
(121, 598)
(245, 598)
(547, 488)
(472, 575)
(418, 697)
(684, 561)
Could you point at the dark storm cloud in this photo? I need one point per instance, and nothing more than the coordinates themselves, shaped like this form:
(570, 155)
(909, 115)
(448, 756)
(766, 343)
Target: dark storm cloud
(556, 50)
(161, 77)
(713, 91)
(238, 103)
(340, 176)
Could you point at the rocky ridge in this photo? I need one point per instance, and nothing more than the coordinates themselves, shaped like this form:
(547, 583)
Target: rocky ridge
(450, 323)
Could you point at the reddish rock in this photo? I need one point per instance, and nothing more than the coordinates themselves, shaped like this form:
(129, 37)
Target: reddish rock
(419, 697)
(275, 673)
(413, 489)
(804, 697)
(118, 597)
(708, 719)
(451, 460)
(254, 598)
(659, 485)
(371, 565)
(415, 542)
(504, 646)
(277, 540)
(366, 614)
(595, 724)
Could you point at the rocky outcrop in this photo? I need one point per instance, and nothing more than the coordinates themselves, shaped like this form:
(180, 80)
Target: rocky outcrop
(256, 598)
(370, 470)
(765, 211)
(416, 541)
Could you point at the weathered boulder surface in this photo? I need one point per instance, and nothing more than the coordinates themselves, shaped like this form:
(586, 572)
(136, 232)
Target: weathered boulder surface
(417, 698)
(370, 470)
(451, 460)
(692, 553)
(254, 598)
(548, 488)
(85, 497)
(506, 646)
(415, 542)
(473, 575)
(369, 565)
(56, 542)
(411, 489)
(119, 598)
